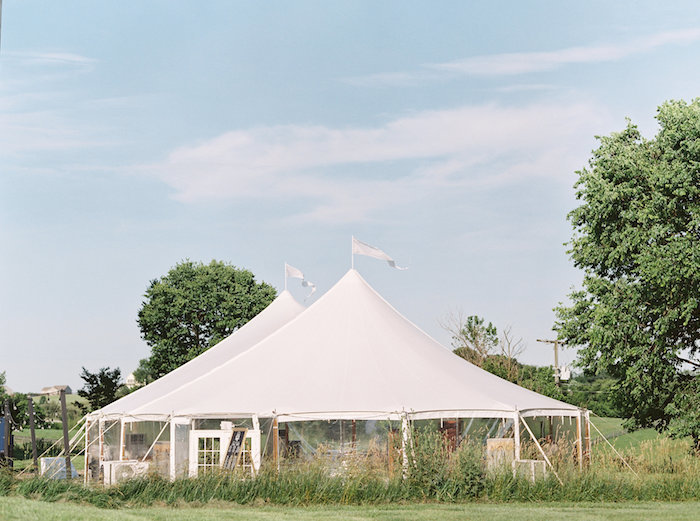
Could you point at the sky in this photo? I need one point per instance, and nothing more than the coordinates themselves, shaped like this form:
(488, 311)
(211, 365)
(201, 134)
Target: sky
(137, 134)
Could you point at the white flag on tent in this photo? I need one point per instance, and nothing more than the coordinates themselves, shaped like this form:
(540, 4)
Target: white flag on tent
(361, 248)
(295, 273)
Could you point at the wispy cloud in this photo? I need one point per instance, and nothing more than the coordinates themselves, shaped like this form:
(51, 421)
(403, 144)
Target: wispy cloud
(476, 146)
(511, 64)
(525, 62)
(52, 58)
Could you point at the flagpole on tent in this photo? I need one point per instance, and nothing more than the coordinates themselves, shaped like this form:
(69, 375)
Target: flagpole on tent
(285, 276)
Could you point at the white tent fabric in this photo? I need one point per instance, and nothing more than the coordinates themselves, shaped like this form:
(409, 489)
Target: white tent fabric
(350, 355)
(280, 311)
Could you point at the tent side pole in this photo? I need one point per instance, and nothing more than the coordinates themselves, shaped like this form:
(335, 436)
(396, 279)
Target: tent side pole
(275, 443)
(173, 473)
(404, 444)
(516, 434)
(87, 444)
(122, 441)
(101, 442)
(579, 440)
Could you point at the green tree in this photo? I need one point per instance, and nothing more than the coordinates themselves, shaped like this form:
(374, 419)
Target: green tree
(3, 393)
(594, 392)
(637, 239)
(100, 388)
(192, 308)
(472, 339)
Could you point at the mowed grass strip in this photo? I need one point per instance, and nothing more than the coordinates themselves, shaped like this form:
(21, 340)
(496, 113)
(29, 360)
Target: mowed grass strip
(16, 509)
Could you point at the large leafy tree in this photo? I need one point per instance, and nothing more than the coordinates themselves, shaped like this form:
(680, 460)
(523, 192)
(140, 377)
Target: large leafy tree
(637, 239)
(192, 308)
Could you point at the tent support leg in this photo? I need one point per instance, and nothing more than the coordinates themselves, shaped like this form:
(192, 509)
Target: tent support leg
(579, 440)
(587, 448)
(404, 444)
(542, 452)
(516, 434)
(101, 443)
(122, 441)
(275, 443)
(173, 473)
(87, 444)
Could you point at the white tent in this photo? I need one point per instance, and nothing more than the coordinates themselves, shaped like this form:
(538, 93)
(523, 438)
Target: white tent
(280, 311)
(351, 355)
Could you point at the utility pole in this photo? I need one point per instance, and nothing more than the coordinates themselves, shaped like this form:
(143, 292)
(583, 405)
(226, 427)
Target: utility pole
(556, 343)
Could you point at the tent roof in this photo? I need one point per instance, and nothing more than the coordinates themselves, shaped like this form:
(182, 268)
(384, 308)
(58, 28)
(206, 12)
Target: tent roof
(350, 355)
(280, 311)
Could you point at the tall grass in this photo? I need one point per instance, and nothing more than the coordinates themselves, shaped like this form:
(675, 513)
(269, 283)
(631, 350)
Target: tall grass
(434, 473)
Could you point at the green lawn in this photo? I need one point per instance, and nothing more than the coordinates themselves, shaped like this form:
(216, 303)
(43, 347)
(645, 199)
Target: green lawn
(613, 427)
(48, 434)
(16, 509)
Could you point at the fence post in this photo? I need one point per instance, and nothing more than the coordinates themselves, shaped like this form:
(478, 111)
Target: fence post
(8, 434)
(66, 443)
(30, 410)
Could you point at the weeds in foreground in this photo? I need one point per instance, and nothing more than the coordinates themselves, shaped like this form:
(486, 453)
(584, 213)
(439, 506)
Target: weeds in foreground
(433, 473)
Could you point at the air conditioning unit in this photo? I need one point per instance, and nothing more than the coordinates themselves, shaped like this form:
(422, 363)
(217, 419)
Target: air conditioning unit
(530, 468)
(116, 471)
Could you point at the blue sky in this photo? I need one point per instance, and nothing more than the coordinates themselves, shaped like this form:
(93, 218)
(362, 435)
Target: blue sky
(135, 134)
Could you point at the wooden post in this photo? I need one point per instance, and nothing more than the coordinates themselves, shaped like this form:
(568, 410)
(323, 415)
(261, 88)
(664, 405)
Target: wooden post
(66, 442)
(275, 442)
(342, 439)
(390, 450)
(587, 442)
(579, 441)
(30, 410)
(354, 435)
(8, 434)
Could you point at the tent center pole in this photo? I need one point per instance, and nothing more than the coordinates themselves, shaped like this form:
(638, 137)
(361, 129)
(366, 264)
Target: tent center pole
(275, 443)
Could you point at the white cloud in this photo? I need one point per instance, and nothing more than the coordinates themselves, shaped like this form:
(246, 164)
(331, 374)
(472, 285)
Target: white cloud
(525, 62)
(476, 146)
(510, 64)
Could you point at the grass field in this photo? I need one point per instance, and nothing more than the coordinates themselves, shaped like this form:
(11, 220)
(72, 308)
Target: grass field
(16, 509)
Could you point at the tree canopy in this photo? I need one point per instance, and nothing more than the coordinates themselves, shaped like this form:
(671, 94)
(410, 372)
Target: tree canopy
(193, 307)
(637, 240)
